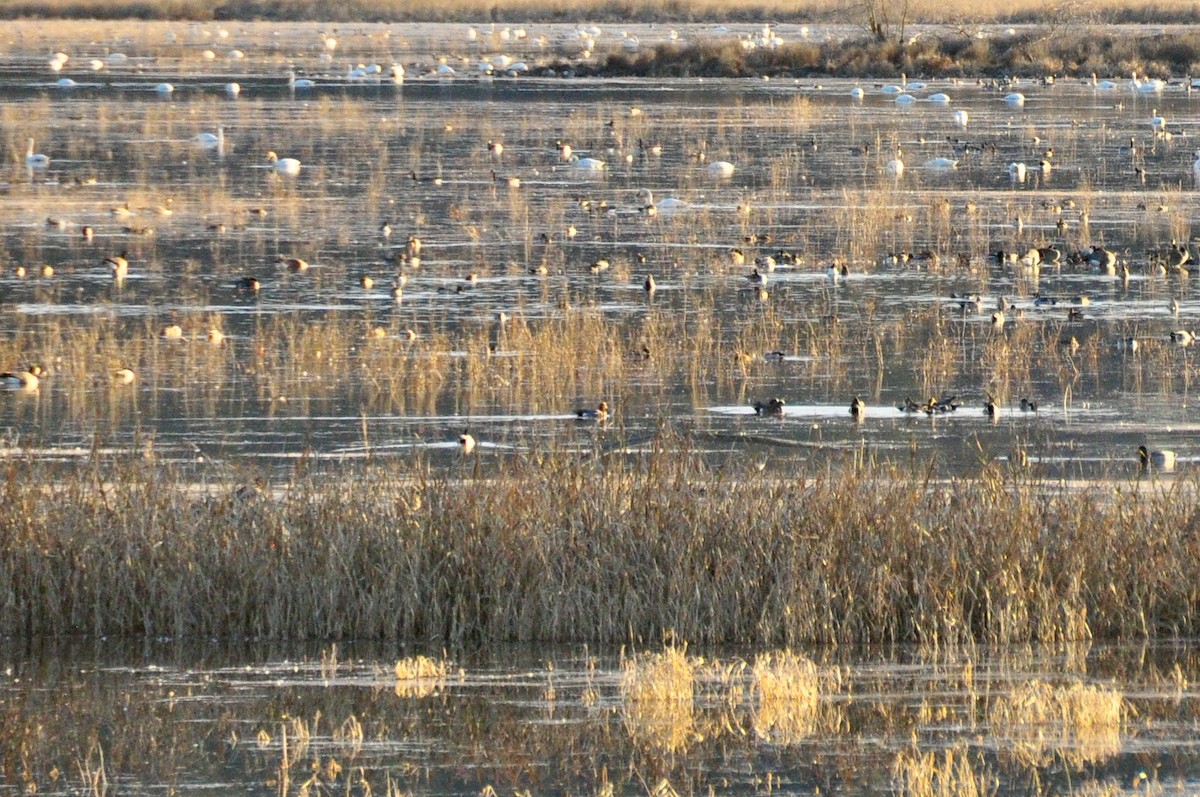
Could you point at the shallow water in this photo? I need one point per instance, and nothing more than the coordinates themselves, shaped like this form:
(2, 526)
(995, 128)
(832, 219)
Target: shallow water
(187, 721)
(316, 364)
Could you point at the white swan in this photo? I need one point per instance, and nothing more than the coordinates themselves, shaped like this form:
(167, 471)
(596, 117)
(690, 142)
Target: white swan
(1152, 86)
(299, 83)
(1196, 168)
(941, 164)
(288, 166)
(1157, 123)
(666, 205)
(35, 160)
(940, 99)
(233, 89)
(895, 167)
(857, 93)
(66, 83)
(961, 118)
(1103, 85)
(165, 88)
(1016, 99)
(1016, 172)
(720, 170)
(905, 99)
(210, 141)
(588, 164)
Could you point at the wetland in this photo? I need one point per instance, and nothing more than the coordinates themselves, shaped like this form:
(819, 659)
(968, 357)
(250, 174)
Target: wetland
(404, 336)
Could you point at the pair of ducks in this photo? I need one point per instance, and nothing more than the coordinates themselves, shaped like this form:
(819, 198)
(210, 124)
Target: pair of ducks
(775, 407)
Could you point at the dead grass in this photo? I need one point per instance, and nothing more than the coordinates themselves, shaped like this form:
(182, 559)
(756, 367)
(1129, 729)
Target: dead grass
(610, 550)
(954, 773)
(1077, 723)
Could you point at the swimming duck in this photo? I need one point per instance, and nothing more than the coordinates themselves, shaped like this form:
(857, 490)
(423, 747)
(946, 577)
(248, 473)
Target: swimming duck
(649, 286)
(466, 443)
(599, 414)
(770, 407)
(1183, 337)
(430, 180)
(1028, 405)
(119, 265)
(990, 407)
(124, 376)
(249, 284)
(1159, 460)
(27, 380)
(293, 263)
(858, 408)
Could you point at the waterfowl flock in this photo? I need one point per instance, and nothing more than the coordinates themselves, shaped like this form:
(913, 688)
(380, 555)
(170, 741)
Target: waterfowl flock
(1024, 225)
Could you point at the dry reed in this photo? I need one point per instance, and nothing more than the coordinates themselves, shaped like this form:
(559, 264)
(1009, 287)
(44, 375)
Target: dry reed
(1080, 724)
(610, 549)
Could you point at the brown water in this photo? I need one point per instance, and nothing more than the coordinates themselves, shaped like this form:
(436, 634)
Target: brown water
(168, 719)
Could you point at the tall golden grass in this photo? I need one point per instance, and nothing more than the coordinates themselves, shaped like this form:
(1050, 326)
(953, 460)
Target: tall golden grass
(607, 548)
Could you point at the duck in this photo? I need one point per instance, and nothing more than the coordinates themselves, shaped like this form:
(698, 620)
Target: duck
(772, 406)
(512, 180)
(27, 380)
(35, 160)
(1163, 460)
(119, 265)
(124, 376)
(858, 408)
(250, 284)
(292, 263)
(1183, 337)
(990, 407)
(599, 414)
(287, 166)
(466, 443)
(416, 178)
(171, 332)
(649, 286)
(1028, 405)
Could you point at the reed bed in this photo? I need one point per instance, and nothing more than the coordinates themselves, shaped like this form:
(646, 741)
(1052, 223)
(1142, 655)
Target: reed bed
(607, 549)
